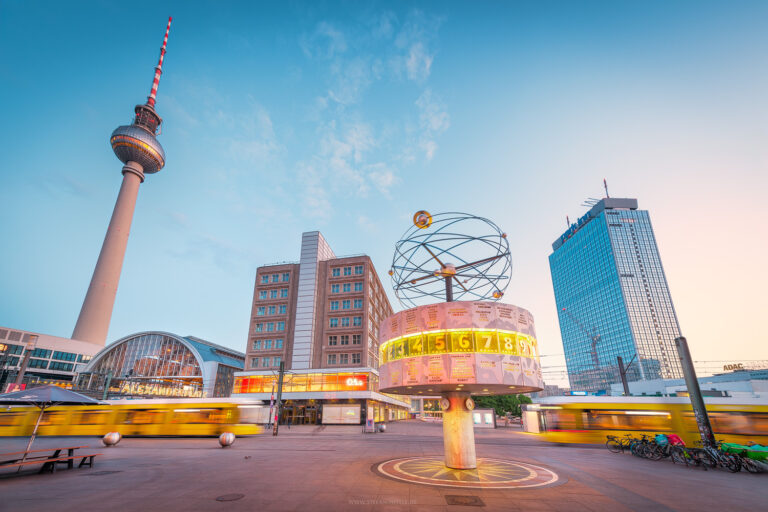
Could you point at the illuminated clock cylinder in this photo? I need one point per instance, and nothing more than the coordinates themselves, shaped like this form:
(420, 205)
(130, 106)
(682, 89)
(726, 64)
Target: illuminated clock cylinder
(479, 347)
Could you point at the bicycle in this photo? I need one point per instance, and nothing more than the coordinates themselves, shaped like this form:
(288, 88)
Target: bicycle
(616, 445)
(713, 456)
(640, 447)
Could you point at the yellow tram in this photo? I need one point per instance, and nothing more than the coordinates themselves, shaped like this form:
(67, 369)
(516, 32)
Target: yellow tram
(175, 417)
(590, 419)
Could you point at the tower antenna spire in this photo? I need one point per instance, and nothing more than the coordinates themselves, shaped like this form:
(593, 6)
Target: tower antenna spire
(605, 183)
(159, 68)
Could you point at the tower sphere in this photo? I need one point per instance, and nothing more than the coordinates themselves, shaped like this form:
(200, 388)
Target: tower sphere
(134, 143)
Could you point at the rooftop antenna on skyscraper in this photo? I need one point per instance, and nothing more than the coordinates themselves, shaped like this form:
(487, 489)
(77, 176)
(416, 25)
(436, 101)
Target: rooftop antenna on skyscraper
(605, 184)
(567, 221)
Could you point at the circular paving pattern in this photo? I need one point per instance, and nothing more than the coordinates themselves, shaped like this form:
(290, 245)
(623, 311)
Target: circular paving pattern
(490, 473)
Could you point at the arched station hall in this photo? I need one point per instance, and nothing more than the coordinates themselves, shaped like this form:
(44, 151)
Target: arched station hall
(161, 364)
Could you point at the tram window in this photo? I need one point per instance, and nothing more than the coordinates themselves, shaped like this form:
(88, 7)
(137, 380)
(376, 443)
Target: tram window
(144, 417)
(737, 422)
(562, 420)
(199, 416)
(628, 420)
(54, 418)
(93, 417)
(10, 419)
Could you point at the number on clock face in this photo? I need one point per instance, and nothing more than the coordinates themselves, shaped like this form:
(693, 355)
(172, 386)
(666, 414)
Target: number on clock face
(507, 343)
(415, 346)
(486, 341)
(438, 343)
(461, 342)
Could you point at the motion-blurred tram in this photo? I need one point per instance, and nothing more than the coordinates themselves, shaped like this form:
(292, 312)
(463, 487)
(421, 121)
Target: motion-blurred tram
(591, 419)
(174, 417)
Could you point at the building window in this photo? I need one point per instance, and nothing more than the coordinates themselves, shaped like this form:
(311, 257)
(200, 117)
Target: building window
(41, 352)
(334, 288)
(62, 367)
(272, 294)
(65, 356)
(278, 343)
(267, 344)
(264, 279)
(265, 362)
(262, 294)
(346, 287)
(334, 322)
(275, 278)
(345, 321)
(257, 345)
(345, 304)
(270, 326)
(359, 269)
(259, 328)
(282, 309)
(331, 358)
(254, 362)
(276, 360)
(357, 321)
(336, 272)
(83, 358)
(358, 303)
(284, 292)
(37, 363)
(334, 305)
(286, 277)
(333, 340)
(271, 310)
(345, 339)
(357, 339)
(355, 358)
(343, 358)
(347, 271)
(261, 310)
(359, 286)
(280, 326)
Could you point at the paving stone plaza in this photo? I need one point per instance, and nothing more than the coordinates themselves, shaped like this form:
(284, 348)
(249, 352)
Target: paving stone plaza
(309, 468)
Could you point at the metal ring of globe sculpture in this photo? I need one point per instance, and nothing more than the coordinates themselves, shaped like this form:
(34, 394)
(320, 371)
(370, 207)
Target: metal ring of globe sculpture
(438, 252)
(456, 349)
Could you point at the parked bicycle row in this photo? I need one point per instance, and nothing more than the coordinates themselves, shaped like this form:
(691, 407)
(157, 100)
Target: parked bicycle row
(730, 456)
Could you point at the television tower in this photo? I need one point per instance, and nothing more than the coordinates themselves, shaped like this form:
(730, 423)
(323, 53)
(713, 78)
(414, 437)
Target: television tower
(136, 146)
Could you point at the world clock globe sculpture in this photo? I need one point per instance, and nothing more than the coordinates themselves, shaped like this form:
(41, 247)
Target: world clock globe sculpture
(456, 340)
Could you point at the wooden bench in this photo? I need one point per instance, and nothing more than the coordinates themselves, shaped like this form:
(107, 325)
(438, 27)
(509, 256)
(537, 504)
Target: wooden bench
(49, 462)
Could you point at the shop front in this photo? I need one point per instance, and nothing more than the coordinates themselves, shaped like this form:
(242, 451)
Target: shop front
(324, 397)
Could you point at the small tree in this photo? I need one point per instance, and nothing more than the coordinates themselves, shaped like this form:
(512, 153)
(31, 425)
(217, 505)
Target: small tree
(503, 404)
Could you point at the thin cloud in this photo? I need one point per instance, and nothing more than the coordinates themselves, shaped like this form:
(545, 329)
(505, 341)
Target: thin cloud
(433, 120)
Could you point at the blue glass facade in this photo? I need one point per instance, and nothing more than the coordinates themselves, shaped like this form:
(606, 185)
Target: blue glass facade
(612, 298)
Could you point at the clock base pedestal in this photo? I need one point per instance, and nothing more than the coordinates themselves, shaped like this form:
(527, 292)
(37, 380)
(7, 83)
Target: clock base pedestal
(458, 430)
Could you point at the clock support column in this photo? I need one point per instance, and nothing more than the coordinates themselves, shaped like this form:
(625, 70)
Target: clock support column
(458, 430)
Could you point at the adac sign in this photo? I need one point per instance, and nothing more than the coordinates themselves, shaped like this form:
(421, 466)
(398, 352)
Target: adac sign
(735, 366)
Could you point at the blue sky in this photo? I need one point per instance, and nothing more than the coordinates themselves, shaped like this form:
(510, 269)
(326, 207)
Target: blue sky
(347, 117)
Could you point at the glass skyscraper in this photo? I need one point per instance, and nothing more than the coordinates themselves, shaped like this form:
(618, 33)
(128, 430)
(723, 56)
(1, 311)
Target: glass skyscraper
(612, 298)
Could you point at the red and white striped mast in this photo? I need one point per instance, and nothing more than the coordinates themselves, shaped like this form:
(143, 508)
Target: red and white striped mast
(159, 68)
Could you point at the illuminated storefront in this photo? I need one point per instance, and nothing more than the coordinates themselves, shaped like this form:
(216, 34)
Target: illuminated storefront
(161, 364)
(324, 396)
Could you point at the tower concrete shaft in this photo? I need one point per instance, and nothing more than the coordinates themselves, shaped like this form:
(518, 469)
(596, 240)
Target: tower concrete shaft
(96, 313)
